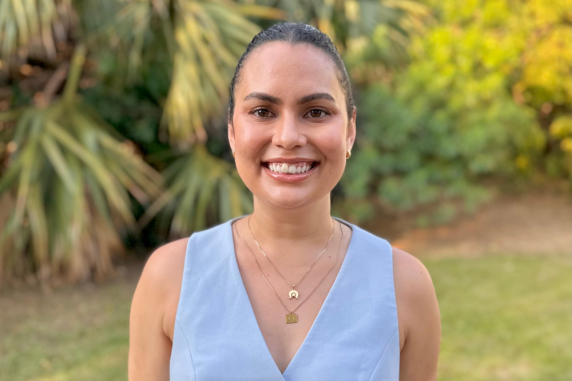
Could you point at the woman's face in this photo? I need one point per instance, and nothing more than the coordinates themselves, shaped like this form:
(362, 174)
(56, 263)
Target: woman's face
(290, 116)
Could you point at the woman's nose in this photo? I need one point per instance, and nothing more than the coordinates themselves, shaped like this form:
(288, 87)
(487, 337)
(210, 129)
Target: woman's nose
(288, 133)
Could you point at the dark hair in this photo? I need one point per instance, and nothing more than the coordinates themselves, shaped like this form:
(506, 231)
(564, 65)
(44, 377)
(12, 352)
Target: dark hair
(295, 33)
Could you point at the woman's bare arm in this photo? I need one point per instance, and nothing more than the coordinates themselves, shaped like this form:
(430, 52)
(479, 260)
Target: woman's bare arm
(419, 311)
(152, 313)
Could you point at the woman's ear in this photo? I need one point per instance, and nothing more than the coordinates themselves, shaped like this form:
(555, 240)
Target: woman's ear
(231, 135)
(351, 137)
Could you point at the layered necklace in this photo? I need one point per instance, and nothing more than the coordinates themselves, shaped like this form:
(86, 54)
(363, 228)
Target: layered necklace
(293, 293)
(291, 317)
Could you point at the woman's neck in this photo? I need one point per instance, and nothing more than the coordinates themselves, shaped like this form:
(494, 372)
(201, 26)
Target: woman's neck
(292, 235)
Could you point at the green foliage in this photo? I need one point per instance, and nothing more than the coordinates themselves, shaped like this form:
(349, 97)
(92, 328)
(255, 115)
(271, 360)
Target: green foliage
(546, 82)
(32, 24)
(471, 104)
(202, 40)
(351, 23)
(133, 112)
(372, 36)
(523, 46)
(201, 189)
(560, 132)
(67, 191)
(413, 156)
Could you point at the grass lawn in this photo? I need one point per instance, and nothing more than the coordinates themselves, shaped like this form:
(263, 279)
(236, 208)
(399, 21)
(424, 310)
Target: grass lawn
(503, 318)
(79, 333)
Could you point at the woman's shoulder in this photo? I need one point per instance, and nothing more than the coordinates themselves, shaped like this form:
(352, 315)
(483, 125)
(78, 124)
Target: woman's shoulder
(415, 295)
(161, 279)
(412, 280)
(165, 262)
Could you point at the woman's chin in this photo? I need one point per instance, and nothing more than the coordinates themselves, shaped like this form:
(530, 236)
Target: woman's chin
(285, 198)
(288, 203)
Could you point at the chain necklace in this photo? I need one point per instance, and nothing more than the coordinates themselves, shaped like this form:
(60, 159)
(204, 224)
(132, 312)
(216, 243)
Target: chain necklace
(292, 293)
(291, 317)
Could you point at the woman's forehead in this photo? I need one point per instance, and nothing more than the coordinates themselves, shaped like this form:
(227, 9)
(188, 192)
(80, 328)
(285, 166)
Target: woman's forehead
(282, 69)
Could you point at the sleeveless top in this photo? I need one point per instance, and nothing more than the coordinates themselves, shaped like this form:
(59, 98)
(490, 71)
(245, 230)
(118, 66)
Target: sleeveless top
(355, 335)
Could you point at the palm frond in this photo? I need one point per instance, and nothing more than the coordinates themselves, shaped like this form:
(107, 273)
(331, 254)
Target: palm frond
(203, 40)
(32, 24)
(205, 33)
(71, 181)
(349, 21)
(200, 189)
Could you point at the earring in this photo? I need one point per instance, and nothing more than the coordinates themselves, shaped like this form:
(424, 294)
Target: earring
(233, 153)
(348, 154)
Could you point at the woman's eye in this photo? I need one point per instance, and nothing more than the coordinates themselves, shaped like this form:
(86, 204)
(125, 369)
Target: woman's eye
(262, 113)
(317, 113)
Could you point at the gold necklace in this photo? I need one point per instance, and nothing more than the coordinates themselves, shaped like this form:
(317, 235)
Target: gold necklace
(292, 293)
(291, 317)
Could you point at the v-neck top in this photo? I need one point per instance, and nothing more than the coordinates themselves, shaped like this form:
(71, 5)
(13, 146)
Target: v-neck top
(355, 335)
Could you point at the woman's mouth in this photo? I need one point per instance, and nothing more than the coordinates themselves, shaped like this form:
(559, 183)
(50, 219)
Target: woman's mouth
(290, 171)
(291, 168)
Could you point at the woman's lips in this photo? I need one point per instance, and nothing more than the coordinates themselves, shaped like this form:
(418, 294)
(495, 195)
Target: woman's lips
(290, 177)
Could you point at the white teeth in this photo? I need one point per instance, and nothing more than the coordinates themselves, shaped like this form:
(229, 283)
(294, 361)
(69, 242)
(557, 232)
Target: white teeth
(290, 169)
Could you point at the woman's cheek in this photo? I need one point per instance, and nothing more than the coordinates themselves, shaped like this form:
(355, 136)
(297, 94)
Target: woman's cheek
(254, 138)
(330, 145)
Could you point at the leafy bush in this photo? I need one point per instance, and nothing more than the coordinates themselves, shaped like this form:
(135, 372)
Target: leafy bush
(421, 148)
(475, 102)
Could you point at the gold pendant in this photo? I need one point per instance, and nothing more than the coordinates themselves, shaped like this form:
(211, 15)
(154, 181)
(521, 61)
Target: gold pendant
(293, 293)
(291, 318)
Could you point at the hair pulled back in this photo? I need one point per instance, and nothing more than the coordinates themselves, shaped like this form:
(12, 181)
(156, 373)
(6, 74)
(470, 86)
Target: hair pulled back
(295, 33)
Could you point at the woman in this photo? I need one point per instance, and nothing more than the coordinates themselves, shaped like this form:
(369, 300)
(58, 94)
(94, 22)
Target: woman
(288, 292)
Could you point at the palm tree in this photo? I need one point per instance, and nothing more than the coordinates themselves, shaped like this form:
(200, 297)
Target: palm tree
(67, 189)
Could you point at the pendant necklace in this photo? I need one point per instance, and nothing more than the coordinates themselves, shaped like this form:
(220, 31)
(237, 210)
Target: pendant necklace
(292, 293)
(291, 317)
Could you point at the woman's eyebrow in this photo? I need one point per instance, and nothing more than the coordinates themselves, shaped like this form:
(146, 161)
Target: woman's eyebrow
(263, 97)
(313, 97)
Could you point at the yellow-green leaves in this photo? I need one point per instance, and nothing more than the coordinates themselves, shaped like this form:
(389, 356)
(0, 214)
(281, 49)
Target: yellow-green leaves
(199, 189)
(70, 178)
(31, 24)
(209, 38)
(203, 41)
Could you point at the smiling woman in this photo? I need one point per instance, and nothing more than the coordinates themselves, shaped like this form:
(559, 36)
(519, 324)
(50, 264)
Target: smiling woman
(288, 292)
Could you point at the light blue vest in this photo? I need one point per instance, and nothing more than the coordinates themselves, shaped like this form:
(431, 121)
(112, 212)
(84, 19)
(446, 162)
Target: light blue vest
(355, 336)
